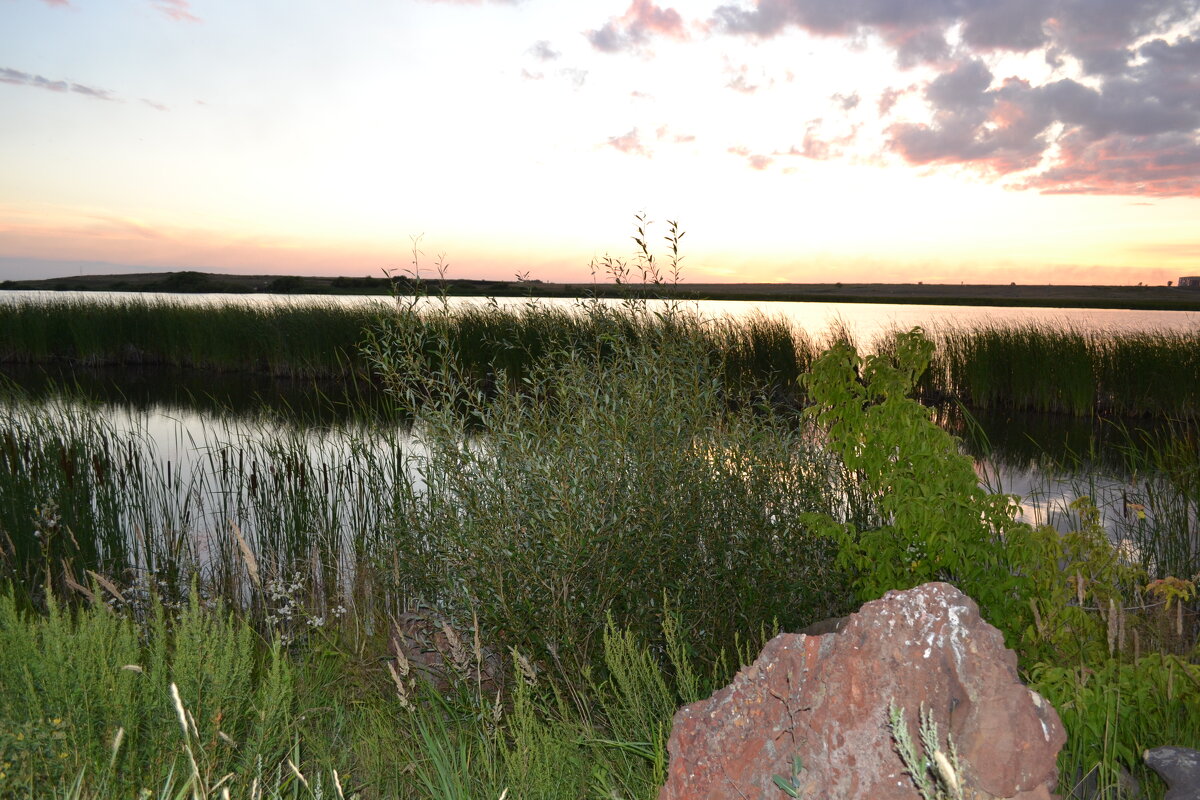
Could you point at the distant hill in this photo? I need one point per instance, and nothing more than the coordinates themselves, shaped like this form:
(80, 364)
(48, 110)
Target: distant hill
(188, 282)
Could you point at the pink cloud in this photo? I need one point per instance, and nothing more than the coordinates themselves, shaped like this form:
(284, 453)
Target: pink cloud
(59, 3)
(636, 26)
(1165, 165)
(629, 143)
(1129, 123)
(178, 10)
(758, 161)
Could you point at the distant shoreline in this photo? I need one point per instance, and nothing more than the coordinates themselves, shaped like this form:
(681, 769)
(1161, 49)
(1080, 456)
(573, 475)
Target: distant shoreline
(1048, 296)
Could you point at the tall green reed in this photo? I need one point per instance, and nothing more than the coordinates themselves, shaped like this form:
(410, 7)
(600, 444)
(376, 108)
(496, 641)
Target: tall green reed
(81, 491)
(1047, 368)
(302, 339)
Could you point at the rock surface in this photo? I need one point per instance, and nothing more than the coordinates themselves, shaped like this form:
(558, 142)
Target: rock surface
(825, 700)
(1180, 768)
(426, 645)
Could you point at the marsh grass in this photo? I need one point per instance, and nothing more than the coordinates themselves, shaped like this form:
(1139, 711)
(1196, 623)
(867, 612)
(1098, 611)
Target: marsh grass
(192, 703)
(298, 339)
(1046, 368)
(79, 492)
(109, 689)
(1034, 367)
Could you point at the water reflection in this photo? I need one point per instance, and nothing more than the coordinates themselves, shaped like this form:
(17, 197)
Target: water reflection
(177, 392)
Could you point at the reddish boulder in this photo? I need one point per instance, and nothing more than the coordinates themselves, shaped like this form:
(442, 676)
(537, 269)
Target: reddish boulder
(825, 699)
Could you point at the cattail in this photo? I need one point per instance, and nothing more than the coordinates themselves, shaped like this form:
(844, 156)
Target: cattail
(527, 669)
(1112, 626)
(116, 746)
(247, 555)
(946, 771)
(401, 688)
(458, 654)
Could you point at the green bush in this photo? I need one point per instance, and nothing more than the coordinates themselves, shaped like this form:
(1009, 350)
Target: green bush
(607, 473)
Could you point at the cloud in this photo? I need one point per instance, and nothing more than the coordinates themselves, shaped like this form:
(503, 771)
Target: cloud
(629, 143)
(1097, 34)
(59, 3)
(19, 78)
(820, 146)
(1134, 132)
(154, 105)
(739, 84)
(663, 133)
(848, 102)
(542, 51)
(99, 94)
(888, 99)
(747, 80)
(576, 77)
(1119, 112)
(1161, 165)
(636, 26)
(178, 10)
(758, 161)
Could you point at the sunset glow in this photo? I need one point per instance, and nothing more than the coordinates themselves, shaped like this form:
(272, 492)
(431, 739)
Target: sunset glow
(794, 140)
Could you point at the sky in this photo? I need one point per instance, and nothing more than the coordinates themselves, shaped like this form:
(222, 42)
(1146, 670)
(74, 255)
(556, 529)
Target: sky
(944, 141)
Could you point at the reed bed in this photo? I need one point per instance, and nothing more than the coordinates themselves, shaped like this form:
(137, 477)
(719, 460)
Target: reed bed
(278, 338)
(80, 492)
(1037, 367)
(1062, 370)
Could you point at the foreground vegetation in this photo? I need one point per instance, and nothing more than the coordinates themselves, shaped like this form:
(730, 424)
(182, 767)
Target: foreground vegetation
(599, 529)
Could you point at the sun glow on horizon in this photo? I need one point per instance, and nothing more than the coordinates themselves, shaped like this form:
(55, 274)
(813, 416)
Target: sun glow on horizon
(524, 137)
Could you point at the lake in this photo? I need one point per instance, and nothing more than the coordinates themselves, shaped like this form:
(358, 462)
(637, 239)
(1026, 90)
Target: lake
(190, 427)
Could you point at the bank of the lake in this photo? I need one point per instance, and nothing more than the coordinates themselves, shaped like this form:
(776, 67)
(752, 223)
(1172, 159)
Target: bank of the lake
(1168, 298)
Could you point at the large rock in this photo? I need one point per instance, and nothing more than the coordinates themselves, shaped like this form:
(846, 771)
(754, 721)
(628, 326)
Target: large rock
(1180, 768)
(825, 699)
